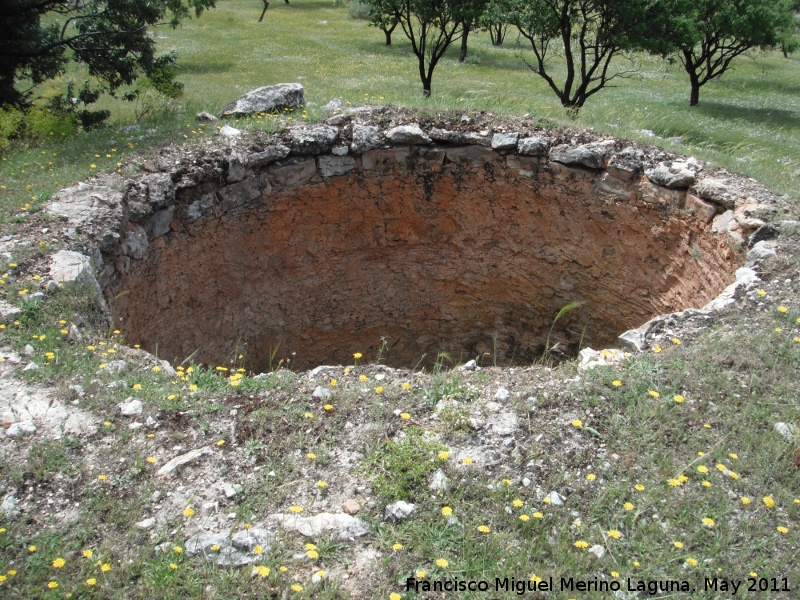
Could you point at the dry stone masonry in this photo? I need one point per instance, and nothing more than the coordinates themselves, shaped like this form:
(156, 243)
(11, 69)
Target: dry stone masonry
(367, 231)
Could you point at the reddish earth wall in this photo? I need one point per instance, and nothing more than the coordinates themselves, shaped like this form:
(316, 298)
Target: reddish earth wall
(457, 249)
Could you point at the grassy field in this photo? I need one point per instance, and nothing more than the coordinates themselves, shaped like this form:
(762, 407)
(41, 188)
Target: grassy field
(749, 121)
(668, 463)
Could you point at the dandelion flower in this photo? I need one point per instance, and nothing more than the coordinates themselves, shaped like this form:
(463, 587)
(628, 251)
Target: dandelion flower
(215, 547)
(405, 416)
(761, 292)
(221, 443)
(676, 341)
(177, 549)
(59, 562)
(188, 512)
(87, 553)
(657, 349)
(311, 456)
(628, 506)
(296, 509)
(322, 484)
(262, 571)
(258, 550)
(517, 503)
(102, 477)
(334, 383)
(105, 567)
(702, 469)
(614, 574)
(639, 487)
(679, 399)
(677, 544)
(675, 482)
(137, 386)
(581, 544)
(524, 518)
(52, 584)
(362, 378)
(782, 529)
(467, 460)
(706, 483)
(770, 503)
(577, 423)
(151, 459)
(782, 309)
(328, 407)
(614, 533)
(616, 383)
(357, 355)
(91, 581)
(484, 529)
(538, 515)
(397, 546)
(442, 562)
(691, 562)
(173, 566)
(395, 596)
(309, 415)
(379, 389)
(654, 393)
(745, 500)
(406, 386)
(591, 477)
(708, 522)
(444, 455)
(447, 511)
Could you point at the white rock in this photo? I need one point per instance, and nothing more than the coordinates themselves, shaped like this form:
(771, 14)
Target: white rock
(21, 428)
(470, 365)
(230, 490)
(346, 526)
(598, 551)
(183, 459)
(230, 132)
(10, 508)
(787, 430)
(555, 499)
(146, 524)
(408, 134)
(502, 394)
(130, 407)
(439, 481)
(399, 511)
(321, 393)
(31, 366)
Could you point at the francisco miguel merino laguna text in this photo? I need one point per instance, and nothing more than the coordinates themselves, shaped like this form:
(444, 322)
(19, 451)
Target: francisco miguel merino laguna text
(572, 584)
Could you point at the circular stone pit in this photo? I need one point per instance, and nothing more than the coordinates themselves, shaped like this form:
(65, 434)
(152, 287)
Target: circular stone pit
(319, 242)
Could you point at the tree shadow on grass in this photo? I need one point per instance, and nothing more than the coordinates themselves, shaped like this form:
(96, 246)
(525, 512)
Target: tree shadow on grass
(773, 117)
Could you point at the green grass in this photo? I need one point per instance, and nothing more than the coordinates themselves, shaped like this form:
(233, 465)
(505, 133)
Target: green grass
(748, 121)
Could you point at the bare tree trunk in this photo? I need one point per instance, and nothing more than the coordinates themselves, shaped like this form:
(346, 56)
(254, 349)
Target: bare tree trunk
(464, 37)
(266, 6)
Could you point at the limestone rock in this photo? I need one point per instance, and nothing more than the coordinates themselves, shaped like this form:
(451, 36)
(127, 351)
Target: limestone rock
(345, 526)
(745, 212)
(333, 166)
(314, 141)
(587, 155)
(134, 241)
(502, 394)
(704, 211)
(351, 507)
(399, 511)
(248, 539)
(8, 312)
(503, 423)
(365, 137)
(84, 203)
(321, 393)
(205, 117)
(671, 175)
(73, 270)
(533, 146)
(158, 224)
(146, 524)
(598, 550)
(786, 430)
(589, 358)
(267, 99)
(183, 459)
(270, 155)
(459, 137)
(659, 195)
(407, 134)
(21, 428)
(761, 254)
(505, 141)
(9, 507)
(130, 407)
(229, 132)
(718, 191)
(439, 481)
(555, 499)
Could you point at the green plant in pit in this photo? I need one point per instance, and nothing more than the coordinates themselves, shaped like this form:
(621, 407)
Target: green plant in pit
(564, 310)
(400, 469)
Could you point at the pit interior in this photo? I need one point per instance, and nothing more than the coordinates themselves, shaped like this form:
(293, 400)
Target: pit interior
(418, 250)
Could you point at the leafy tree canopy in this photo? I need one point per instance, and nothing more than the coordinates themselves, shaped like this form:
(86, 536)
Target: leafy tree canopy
(110, 37)
(709, 34)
